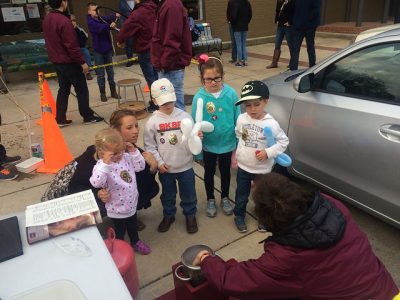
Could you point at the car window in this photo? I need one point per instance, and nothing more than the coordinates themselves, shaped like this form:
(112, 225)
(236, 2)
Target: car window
(371, 73)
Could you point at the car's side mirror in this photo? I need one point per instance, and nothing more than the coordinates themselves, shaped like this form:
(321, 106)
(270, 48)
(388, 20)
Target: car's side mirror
(304, 84)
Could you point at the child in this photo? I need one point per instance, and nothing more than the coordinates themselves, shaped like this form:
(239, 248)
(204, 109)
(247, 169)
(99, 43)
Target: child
(115, 171)
(253, 155)
(82, 39)
(162, 138)
(219, 109)
(103, 48)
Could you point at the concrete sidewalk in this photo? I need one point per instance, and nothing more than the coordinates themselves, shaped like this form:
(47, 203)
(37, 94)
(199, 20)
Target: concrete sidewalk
(219, 233)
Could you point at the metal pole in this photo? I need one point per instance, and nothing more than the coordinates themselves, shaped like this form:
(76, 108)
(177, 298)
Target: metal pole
(347, 14)
(385, 11)
(360, 10)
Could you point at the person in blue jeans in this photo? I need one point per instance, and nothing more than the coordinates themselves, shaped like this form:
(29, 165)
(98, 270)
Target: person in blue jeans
(82, 39)
(103, 48)
(239, 15)
(163, 139)
(126, 7)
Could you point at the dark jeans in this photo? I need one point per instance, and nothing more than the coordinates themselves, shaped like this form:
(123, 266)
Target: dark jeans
(149, 73)
(2, 154)
(210, 165)
(279, 36)
(71, 74)
(101, 59)
(187, 192)
(295, 38)
(129, 48)
(126, 225)
(233, 43)
(86, 54)
(243, 185)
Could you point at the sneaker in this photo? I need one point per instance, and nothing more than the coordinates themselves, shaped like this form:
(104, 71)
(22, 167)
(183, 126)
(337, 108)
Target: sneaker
(140, 225)
(232, 61)
(226, 206)
(7, 174)
(191, 224)
(240, 224)
(165, 224)
(129, 64)
(64, 123)
(142, 248)
(11, 159)
(93, 119)
(238, 64)
(89, 76)
(261, 228)
(211, 208)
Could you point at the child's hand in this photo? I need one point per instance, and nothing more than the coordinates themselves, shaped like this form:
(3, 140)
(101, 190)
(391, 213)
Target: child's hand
(117, 15)
(104, 195)
(163, 168)
(200, 134)
(261, 155)
(113, 25)
(199, 257)
(130, 147)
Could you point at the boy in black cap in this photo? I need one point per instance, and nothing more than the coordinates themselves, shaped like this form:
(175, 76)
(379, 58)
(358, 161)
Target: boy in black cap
(253, 155)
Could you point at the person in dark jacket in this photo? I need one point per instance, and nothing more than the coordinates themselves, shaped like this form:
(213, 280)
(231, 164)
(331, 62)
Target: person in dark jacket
(103, 47)
(232, 36)
(126, 7)
(306, 18)
(63, 51)
(283, 19)
(125, 122)
(316, 251)
(139, 27)
(171, 45)
(239, 16)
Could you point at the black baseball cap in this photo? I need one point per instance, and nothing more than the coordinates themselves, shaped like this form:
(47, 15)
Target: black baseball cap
(253, 90)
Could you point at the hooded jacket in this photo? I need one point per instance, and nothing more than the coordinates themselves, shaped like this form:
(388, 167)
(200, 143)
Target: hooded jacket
(139, 26)
(322, 255)
(101, 39)
(171, 46)
(239, 14)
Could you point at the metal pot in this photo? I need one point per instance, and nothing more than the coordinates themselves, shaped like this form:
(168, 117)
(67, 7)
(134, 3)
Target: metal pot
(192, 273)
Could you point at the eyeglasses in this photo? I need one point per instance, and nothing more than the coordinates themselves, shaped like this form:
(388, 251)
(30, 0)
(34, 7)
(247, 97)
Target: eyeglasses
(216, 79)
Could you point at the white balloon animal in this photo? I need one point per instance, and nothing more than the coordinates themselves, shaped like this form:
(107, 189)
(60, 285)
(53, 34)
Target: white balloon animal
(190, 132)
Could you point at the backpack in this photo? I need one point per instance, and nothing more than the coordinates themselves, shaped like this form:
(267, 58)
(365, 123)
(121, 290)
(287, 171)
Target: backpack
(194, 30)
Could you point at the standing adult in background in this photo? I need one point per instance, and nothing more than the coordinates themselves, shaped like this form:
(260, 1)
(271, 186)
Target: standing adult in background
(64, 52)
(233, 43)
(171, 46)
(138, 27)
(283, 19)
(306, 18)
(239, 16)
(126, 7)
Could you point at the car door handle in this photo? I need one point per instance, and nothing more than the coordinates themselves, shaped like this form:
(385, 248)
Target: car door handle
(391, 132)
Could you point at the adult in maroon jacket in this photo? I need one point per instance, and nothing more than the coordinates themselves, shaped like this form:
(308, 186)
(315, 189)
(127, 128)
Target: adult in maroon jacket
(64, 52)
(171, 46)
(139, 27)
(316, 251)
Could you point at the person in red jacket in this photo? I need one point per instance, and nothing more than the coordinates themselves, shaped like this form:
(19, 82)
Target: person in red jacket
(64, 52)
(171, 45)
(316, 251)
(139, 27)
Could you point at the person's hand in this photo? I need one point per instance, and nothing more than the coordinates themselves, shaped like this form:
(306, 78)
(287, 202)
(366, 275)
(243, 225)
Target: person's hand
(261, 155)
(85, 68)
(130, 147)
(151, 161)
(117, 15)
(120, 45)
(113, 25)
(104, 195)
(200, 134)
(107, 157)
(199, 257)
(163, 168)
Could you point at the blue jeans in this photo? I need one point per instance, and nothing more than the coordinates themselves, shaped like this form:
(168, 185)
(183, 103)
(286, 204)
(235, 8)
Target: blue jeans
(240, 39)
(149, 73)
(243, 185)
(295, 38)
(101, 59)
(233, 43)
(176, 77)
(187, 192)
(279, 36)
(86, 54)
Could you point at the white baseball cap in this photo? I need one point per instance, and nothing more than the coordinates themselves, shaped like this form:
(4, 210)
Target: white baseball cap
(163, 91)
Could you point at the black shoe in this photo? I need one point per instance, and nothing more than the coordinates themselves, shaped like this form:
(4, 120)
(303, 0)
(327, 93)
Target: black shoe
(11, 159)
(152, 108)
(129, 64)
(64, 123)
(3, 91)
(8, 174)
(89, 76)
(191, 224)
(114, 94)
(93, 119)
(103, 97)
(165, 224)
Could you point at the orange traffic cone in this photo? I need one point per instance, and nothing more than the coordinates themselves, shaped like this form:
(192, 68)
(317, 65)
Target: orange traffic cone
(146, 89)
(46, 99)
(56, 152)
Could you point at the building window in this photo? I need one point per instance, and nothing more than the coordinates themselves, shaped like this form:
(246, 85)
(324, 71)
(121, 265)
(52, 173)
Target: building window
(195, 8)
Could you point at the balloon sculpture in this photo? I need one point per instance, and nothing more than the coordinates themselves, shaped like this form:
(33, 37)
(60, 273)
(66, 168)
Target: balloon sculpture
(190, 132)
(282, 159)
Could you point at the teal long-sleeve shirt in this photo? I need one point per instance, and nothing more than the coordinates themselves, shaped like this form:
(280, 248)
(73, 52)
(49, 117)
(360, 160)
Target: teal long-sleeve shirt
(222, 113)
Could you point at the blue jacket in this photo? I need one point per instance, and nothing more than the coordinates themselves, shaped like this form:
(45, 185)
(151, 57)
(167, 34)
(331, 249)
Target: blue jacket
(307, 14)
(222, 113)
(101, 39)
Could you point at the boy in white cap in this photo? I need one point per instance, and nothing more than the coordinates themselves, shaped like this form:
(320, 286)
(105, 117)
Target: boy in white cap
(253, 155)
(162, 138)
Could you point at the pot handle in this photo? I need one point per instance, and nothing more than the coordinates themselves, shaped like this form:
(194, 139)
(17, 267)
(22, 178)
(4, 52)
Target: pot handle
(181, 278)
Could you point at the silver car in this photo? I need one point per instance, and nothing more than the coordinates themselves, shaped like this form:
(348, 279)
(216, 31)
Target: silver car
(342, 118)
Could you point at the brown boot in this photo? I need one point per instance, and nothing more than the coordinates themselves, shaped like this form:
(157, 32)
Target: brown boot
(114, 93)
(275, 59)
(191, 224)
(165, 224)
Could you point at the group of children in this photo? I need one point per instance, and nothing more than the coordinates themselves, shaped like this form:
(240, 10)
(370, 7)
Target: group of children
(234, 133)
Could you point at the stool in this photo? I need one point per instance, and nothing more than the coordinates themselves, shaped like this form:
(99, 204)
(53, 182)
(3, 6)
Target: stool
(138, 106)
